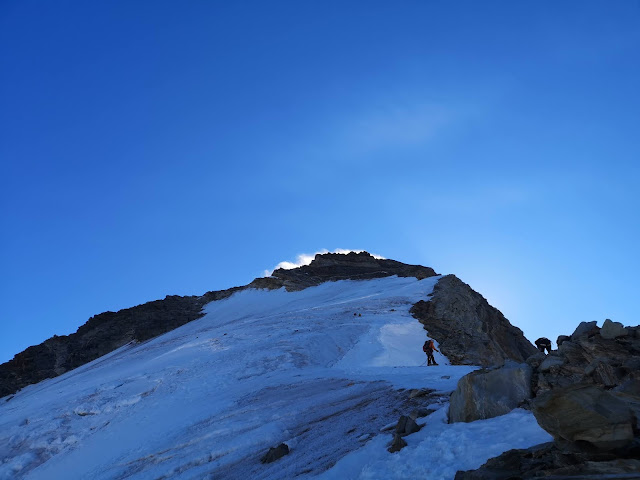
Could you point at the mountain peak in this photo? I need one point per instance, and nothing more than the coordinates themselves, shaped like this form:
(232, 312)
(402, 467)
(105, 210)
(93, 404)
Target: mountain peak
(331, 267)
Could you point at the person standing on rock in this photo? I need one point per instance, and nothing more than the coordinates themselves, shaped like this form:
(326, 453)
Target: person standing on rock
(543, 344)
(428, 348)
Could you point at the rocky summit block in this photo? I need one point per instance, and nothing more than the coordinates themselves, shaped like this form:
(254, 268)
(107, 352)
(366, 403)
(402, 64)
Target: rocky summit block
(490, 393)
(331, 267)
(468, 329)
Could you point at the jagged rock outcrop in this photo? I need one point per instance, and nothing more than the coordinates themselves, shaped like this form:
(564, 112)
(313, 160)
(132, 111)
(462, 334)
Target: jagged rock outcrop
(275, 453)
(108, 331)
(588, 358)
(468, 329)
(490, 393)
(397, 444)
(587, 395)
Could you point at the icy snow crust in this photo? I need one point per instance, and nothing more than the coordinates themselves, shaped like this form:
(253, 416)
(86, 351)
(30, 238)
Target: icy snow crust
(208, 399)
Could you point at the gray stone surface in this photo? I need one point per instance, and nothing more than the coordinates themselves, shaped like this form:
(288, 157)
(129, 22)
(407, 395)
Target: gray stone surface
(586, 416)
(397, 444)
(551, 361)
(468, 329)
(406, 426)
(612, 330)
(584, 328)
(489, 393)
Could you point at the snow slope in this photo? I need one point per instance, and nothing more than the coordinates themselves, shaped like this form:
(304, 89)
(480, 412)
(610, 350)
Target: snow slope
(208, 399)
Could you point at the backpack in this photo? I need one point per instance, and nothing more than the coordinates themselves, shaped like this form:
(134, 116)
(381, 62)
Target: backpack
(424, 347)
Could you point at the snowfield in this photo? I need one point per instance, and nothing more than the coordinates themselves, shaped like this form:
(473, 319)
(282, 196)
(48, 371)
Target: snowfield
(323, 370)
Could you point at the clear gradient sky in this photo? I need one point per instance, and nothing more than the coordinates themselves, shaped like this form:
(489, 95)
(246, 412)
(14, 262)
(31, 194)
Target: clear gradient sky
(175, 147)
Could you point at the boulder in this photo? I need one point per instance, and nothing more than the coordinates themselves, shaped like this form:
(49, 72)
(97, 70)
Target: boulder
(584, 328)
(406, 426)
(551, 361)
(612, 330)
(561, 339)
(489, 393)
(586, 416)
(397, 444)
(536, 359)
(468, 329)
(275, 453)
(603, 373)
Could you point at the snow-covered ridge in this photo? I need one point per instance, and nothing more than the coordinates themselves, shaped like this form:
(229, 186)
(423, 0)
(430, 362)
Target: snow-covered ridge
(321, 369)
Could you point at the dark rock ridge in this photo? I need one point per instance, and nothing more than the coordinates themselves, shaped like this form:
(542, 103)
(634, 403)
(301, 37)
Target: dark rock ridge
(468, 329)
(330, 267)
(100, 335)
(108, 331)
(586, 395)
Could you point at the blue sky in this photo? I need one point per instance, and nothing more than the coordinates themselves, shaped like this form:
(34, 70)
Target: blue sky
(155, 148)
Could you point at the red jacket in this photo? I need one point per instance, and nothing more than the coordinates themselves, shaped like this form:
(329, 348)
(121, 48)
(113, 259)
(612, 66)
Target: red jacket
(429, 347)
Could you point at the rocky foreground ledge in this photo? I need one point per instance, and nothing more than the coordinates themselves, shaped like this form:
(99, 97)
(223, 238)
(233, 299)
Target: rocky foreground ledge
(586, 395)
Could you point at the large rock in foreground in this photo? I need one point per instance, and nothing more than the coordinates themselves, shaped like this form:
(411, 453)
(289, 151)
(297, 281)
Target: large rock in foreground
(587, 395)
(490, 393)
(468, 329)
(586, 416)
(548, 461)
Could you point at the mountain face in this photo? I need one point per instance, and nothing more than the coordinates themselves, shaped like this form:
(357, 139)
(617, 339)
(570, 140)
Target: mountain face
(325, 382)
(470, 330)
